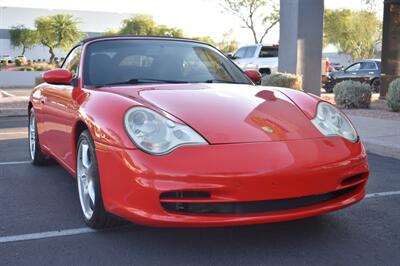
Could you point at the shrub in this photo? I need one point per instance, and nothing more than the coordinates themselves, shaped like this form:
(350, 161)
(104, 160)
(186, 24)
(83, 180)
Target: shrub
(352, 94)
(44, 67)
(285, 80)
(393, 96)
(4, 62)
(29, 62)
(18, 62)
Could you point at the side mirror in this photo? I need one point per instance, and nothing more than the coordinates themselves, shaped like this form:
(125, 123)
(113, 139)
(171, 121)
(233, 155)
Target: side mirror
(58, 76)
(254, 75)
(230, 56)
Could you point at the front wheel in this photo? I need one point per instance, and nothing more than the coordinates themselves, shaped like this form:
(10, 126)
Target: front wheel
(376, 85)
(35, 152)
(88, 182)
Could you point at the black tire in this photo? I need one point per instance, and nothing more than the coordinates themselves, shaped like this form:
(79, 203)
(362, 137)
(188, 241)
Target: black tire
(329, 87)
(376, 85)
(37, 156)
(100, 218)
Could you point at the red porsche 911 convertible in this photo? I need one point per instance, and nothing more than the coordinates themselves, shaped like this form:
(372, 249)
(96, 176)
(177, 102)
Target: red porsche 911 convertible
(170, 132)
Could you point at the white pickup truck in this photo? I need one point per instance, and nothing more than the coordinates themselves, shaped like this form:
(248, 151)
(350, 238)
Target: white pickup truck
(263, 58)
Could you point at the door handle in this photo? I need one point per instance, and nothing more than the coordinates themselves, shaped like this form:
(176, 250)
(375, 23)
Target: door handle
(43, 99)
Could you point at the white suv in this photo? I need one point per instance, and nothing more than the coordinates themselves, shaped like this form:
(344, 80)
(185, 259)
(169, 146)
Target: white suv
(263, 58)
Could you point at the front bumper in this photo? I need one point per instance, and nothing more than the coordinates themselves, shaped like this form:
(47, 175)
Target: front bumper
(242, 182)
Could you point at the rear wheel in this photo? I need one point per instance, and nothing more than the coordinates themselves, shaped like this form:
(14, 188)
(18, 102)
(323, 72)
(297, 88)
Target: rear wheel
(35, 152)
(88, 182)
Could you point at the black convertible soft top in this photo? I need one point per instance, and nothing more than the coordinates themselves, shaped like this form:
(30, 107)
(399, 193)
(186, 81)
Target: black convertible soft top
(139, 37)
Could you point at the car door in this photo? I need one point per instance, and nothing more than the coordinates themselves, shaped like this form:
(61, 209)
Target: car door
(368, 71)
(60, 109)
(350, 73)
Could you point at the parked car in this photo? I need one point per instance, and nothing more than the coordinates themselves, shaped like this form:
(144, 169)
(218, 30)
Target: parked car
(169, 132)
(22, 58)
(367, 71)
(263, 58)
(6, 58)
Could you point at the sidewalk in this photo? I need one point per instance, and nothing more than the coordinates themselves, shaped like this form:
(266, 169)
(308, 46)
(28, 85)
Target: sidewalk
(380, 136)
(14, 102)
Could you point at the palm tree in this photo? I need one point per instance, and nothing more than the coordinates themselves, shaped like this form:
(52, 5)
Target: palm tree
(57, 31)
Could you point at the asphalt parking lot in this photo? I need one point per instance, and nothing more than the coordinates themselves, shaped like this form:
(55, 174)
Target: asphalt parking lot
(40, 224)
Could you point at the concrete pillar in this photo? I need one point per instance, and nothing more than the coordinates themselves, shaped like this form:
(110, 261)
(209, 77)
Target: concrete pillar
(390, 45)
(300, 44)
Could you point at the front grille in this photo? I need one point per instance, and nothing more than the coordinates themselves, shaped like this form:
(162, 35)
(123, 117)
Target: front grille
(253, 206)
(185, 194)
(352, 179)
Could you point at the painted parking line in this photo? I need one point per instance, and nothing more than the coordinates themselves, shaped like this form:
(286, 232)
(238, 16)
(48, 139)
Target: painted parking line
(49, 234)
(13, 135)
(86, 230)
(13, 163)
(382, 194)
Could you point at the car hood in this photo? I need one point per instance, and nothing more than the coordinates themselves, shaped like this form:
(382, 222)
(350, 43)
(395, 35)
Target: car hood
(336, 73)
(228, 113)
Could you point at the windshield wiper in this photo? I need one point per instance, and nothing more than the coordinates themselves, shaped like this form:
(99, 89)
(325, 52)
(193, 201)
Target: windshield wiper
(142, 81)
(222, 81)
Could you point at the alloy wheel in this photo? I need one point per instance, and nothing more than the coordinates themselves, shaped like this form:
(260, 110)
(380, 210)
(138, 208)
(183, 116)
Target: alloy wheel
(86, 185)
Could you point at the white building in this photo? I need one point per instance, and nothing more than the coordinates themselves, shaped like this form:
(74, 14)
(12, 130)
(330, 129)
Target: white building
(93, 23)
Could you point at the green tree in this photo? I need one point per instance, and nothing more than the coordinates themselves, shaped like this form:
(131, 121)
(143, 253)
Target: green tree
(138, 25)
(22, 37)
(145, 25)
(163, 30)
(355, 33)
(252, 13)
(206, 39)
(228, 44)
(57, 31)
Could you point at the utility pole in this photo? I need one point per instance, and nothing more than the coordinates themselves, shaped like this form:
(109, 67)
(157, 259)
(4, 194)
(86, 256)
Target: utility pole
(390, 45)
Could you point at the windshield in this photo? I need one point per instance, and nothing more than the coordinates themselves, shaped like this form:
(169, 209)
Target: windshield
(136, 61)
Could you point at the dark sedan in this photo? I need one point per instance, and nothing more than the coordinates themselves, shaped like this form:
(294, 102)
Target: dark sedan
(365, 71)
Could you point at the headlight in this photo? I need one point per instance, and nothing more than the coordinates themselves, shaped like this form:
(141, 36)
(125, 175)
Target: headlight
(331, 122)
(157, 134)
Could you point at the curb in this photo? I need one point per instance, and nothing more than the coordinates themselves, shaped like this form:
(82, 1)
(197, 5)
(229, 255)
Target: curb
(381, 149)
(4, 94)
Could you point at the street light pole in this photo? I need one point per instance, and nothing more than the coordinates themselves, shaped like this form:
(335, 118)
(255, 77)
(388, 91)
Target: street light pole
(390, 45)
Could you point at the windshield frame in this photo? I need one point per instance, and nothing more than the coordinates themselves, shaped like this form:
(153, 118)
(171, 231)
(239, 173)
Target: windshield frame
(86, 46)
